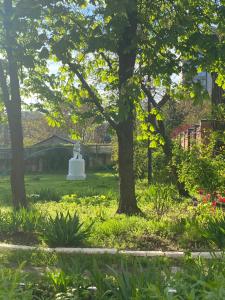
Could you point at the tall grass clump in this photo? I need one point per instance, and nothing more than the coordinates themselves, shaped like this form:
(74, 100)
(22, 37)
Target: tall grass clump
(64, 230)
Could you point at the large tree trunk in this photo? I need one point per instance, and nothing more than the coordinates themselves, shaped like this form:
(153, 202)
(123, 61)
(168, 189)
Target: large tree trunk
(127, 52)
(17, 161)
(127, 201)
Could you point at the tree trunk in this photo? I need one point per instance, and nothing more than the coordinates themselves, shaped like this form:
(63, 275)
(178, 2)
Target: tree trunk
(17, 161)
(127, 52)
(149, 154)
(218, 96)
(167, 149)
(127, 201)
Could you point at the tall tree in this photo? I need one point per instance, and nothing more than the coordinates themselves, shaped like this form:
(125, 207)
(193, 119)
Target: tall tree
(17, 28)
(109, 47)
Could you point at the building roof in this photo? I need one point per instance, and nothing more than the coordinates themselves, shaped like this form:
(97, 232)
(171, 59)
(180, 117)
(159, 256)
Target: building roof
(55, 139)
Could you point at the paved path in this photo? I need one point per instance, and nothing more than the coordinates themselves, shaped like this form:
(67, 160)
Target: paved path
(92, 251)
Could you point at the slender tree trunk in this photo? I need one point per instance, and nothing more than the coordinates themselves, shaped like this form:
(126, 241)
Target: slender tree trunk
(127, 201)
(167, 148)
(218, 94)
(149, 154)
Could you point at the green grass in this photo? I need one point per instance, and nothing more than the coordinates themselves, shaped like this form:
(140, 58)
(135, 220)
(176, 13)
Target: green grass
(96, 183)
(168, 223)
(60, 276)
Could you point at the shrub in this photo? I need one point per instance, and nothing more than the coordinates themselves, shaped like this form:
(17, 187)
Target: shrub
(22, 220)
(12, 283)
(200, 167)
(162, 197)
(64, 230)
(60, 280)
(214, 232)
(26, 220)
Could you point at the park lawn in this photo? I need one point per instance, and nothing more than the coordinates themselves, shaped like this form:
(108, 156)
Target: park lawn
(163, 226)
(96, 183)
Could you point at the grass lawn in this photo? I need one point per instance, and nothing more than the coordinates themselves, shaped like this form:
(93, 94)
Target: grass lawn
(169, 222)
(96, 183)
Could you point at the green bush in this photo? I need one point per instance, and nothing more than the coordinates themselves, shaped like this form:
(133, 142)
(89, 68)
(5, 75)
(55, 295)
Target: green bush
(13, 285)
(64, 230)
(22, 220)
(162, 172)
(214, 232)
(198, 168)
(27, 220)
(162, 196)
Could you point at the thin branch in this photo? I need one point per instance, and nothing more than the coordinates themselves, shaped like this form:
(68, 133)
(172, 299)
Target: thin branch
(149, 95)
(164, 100)
(94, 98)
(4, 87)
(107, 60)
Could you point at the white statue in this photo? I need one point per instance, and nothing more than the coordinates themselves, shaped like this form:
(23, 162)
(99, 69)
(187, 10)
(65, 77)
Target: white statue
(76, 150)
(76, 164)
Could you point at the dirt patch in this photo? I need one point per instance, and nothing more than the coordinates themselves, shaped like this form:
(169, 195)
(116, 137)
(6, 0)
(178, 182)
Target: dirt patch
(154, 242)
(19, 238)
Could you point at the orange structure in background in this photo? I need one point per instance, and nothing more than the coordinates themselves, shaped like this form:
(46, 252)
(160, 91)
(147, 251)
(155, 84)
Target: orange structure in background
(187, 135)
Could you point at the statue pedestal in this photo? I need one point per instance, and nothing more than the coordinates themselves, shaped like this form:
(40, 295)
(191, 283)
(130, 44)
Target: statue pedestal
(76, 169)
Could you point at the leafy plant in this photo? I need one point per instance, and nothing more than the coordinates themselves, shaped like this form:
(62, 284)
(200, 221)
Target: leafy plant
(59, 280)
(13, 285)
(26, 220)
(162, 197)
(214, 232)
(64, 230)
(22, 220)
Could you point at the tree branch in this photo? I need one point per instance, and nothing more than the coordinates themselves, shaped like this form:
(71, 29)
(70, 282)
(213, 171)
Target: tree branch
(92, 94)
(149, 95)
(107, 60)
(164, 100)
(4, 87)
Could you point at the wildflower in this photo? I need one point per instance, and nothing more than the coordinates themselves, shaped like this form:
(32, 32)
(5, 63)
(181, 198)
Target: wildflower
(214, 203)
(208, 196)
(222, 199)
(204, 199)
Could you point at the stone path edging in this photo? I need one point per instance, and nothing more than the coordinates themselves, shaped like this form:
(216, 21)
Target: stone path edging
(92, 251)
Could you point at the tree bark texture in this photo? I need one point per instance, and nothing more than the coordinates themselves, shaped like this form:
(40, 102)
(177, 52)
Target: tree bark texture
(127, 201)
(17, 161)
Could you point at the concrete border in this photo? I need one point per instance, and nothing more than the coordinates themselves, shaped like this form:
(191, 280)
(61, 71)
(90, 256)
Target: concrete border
(93, 251)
